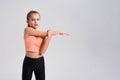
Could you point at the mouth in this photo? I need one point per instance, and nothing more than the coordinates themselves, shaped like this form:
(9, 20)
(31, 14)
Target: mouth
(36, 24)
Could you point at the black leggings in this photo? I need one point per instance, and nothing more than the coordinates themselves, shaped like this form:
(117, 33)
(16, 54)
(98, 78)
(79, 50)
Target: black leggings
(33, 64)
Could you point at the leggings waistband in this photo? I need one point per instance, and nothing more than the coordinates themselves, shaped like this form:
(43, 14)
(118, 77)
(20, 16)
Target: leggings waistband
(29, 58)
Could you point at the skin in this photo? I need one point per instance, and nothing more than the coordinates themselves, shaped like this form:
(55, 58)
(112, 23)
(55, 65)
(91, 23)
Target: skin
(34, 21)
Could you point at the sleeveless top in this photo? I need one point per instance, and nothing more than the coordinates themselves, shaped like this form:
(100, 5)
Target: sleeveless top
(33, 43)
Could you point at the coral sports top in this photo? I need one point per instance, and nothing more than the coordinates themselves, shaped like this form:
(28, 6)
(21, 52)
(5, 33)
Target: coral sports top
(33, 43)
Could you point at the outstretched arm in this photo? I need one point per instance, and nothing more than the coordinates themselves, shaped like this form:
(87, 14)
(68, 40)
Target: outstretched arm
(47, 39)
(32, 32)
(59, 33)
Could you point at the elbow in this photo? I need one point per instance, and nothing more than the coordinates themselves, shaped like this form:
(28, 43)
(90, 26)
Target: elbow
(42, 52)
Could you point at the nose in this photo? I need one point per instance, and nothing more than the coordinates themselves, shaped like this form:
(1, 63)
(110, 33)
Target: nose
(35, 21)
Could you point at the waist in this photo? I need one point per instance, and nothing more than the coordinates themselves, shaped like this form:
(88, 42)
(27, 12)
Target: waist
(33, 54)
(33, 61)
(32, 48)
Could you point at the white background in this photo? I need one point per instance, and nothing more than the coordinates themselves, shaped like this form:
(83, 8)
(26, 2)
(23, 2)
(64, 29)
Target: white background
(91, 52)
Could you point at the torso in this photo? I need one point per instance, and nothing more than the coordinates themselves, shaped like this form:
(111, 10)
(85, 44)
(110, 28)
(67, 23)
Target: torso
(32, 54)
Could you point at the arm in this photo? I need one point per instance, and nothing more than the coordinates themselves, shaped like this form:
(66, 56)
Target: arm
(46, 42)
(33, 32)
(59, 33)
(44, 45)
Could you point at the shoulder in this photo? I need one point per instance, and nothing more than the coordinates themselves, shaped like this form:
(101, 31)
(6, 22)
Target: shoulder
(28, 28)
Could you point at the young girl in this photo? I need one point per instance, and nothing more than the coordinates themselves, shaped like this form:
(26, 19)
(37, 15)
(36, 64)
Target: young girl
(36, 43)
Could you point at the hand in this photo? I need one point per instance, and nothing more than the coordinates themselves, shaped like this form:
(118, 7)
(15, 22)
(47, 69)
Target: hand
(53, 33)
(50, 32)
(63, 33)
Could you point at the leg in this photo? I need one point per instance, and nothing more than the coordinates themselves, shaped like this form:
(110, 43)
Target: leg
(27, 70)
(40, 70)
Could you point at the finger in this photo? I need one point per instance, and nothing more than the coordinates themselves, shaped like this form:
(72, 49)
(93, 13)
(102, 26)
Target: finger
(64, 33)
(67, 34)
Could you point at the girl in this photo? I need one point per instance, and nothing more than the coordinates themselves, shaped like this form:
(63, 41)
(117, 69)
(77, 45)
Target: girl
(36, 43)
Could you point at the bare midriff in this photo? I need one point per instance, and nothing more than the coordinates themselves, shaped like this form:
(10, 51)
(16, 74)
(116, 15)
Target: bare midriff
(33, 54)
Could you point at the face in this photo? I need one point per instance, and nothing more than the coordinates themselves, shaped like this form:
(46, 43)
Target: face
(34, 20)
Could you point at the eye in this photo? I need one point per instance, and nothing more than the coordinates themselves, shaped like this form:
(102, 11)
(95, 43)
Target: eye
(33, 19)
(38, 19)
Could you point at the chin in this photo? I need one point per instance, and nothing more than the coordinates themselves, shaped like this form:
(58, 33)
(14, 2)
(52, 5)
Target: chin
(36, 27)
